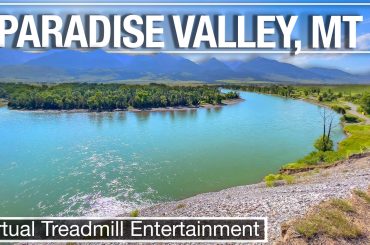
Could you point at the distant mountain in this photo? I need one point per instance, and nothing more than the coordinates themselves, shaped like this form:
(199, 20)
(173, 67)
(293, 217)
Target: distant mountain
(14, 57)
(233, 64)
(272, 70)
(100, 66)
(213, 69)
(75, 60)
(161, 63)
(332, 73)
(214, 65)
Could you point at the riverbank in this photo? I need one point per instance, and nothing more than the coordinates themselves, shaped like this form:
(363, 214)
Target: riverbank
(355, 125)
(280, 203)
(159, 109)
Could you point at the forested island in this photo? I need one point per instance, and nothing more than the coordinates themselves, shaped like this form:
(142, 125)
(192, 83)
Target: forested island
(108, 97)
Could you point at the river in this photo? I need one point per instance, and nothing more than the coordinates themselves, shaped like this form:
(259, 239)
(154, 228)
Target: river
(108, 163)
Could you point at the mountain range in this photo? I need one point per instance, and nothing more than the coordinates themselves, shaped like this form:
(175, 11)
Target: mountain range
(100, 66)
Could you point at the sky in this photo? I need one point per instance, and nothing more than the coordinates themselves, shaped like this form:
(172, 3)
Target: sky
(355, 63)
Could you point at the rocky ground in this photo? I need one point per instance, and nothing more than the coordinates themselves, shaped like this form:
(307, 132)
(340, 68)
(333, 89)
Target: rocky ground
(280, 203)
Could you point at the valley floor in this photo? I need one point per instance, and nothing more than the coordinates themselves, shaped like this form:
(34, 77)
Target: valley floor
(280, 203)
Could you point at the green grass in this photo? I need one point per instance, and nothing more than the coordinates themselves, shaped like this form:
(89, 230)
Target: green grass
(295, 165)
(363, 195)
(358, 141)
(320, 157)
(271, 179)
(329, 221)
(345, 89)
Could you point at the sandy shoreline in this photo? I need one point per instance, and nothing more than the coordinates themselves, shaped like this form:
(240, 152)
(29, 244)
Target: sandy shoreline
(159, 109)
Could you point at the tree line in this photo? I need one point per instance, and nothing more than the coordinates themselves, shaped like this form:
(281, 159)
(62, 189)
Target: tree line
(320, 93)
(108, 97)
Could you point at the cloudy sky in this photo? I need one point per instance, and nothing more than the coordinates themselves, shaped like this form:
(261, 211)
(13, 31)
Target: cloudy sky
(350, 62)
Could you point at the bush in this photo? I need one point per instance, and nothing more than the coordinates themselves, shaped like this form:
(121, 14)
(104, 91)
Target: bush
(134, 213)
(351, 118)
(338, 109)
(324, 143)
(365, 103)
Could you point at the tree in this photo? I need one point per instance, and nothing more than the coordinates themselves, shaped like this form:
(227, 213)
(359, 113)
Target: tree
(365, 103)
(108, 97)
(3, 93)
(324, 143)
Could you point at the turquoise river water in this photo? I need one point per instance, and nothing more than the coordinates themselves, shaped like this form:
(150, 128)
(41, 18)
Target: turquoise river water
(107, 163)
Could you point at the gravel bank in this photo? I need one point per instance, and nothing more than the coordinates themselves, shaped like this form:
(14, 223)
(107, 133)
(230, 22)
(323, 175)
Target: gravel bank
(279, 203)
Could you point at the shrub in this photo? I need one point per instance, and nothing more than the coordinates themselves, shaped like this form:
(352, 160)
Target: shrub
(365, 103)
(271, 179)
(324, 143)
(289, 179)
(338, 109)
(350, 118)
(134, 213)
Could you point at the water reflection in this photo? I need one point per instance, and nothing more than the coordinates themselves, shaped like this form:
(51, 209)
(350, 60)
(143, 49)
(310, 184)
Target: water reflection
(96, 118)
(121, 116)
(142, 116)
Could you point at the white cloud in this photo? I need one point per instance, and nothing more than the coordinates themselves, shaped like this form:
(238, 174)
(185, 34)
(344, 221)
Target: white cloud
(363, 41)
